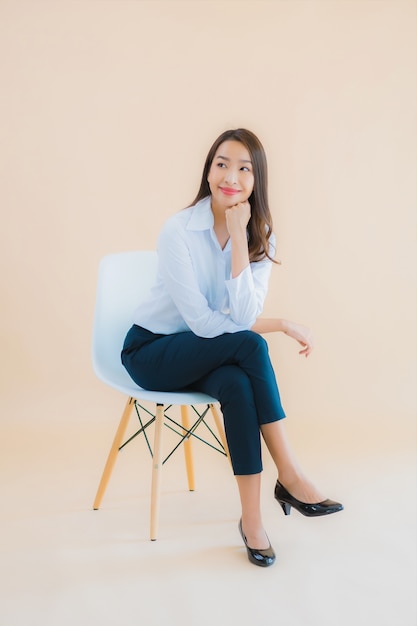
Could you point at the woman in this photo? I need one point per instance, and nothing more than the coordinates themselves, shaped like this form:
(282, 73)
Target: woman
(201, 327)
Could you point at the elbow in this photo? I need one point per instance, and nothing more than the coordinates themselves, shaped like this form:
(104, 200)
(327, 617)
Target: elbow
(245, 319)
(203, 329)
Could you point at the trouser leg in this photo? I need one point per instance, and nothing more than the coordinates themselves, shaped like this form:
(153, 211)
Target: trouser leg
(173, 362)
(248, 398)
(232, 387)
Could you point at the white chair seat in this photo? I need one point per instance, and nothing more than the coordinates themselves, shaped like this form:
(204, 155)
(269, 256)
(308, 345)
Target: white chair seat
(118, 378)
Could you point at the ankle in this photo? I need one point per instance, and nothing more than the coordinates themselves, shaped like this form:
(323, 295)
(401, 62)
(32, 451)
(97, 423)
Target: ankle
(251, 520)
(292, 478)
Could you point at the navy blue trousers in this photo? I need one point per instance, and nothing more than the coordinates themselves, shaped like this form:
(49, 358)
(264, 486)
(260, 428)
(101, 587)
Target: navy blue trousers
(234, 368)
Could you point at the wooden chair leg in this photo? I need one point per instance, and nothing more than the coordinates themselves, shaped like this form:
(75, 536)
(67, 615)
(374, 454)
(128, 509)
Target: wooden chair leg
(111, 459)
(156, 470)
(220, 428)
(188, 448)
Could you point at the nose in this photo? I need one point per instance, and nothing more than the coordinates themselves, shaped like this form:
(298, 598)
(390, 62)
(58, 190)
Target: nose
(231, 176)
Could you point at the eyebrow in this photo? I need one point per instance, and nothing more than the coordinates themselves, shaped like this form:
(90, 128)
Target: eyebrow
(219, 156)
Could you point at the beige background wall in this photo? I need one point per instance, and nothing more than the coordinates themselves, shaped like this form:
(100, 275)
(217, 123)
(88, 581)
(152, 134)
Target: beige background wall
(107, 111)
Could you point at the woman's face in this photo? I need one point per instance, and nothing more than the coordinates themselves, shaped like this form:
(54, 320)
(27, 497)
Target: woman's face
(230, 177)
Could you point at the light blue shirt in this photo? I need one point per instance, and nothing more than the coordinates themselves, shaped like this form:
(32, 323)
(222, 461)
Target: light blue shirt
(194, 289)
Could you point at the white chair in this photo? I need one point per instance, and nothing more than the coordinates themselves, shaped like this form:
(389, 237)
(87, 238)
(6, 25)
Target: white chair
(124, 279)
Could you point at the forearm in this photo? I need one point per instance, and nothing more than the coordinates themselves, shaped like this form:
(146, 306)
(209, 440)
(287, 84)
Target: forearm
(302, 334)
(240, 254)
(237, 218)
(269, 325)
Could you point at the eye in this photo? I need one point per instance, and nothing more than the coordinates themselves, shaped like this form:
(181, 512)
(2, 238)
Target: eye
(245, 169)
(221, 164)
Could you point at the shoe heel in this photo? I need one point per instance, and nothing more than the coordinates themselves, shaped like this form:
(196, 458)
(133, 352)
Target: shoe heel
(286, 507)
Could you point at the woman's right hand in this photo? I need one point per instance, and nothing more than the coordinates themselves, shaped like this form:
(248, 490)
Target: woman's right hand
(237, 218)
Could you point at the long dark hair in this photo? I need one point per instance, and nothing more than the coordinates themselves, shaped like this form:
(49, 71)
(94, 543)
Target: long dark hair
(260, 223)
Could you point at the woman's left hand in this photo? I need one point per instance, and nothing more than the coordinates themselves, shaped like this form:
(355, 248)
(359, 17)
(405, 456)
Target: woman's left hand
(302, 334)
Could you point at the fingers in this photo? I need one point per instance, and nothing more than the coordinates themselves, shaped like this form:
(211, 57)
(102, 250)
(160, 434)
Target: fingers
(238, 215)
(240, 205)
(302, 334)
(307, 348)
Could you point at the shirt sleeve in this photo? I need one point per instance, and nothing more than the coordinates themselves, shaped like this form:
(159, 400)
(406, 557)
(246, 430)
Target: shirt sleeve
(176, 270)
(247, 292)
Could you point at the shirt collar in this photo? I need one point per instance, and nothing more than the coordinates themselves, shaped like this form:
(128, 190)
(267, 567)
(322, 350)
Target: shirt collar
(201, 216)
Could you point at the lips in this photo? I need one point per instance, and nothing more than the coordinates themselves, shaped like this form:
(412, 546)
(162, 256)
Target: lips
(228, 191)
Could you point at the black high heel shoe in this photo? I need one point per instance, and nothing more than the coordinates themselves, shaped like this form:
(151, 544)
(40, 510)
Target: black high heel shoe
(264, 558)
(286, 501)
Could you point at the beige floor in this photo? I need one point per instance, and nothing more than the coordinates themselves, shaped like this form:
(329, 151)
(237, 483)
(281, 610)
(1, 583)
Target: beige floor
(63, 564)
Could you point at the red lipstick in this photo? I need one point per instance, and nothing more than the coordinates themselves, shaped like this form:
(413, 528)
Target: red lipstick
(228, 191)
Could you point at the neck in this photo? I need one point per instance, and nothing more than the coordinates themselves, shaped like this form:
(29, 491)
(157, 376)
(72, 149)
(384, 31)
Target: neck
(218, 214)
(220, 226)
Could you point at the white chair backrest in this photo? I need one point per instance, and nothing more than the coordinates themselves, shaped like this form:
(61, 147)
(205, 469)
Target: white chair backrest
(124, 280)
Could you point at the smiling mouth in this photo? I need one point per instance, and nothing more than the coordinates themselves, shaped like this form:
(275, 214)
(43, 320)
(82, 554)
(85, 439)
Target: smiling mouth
(228, 191)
